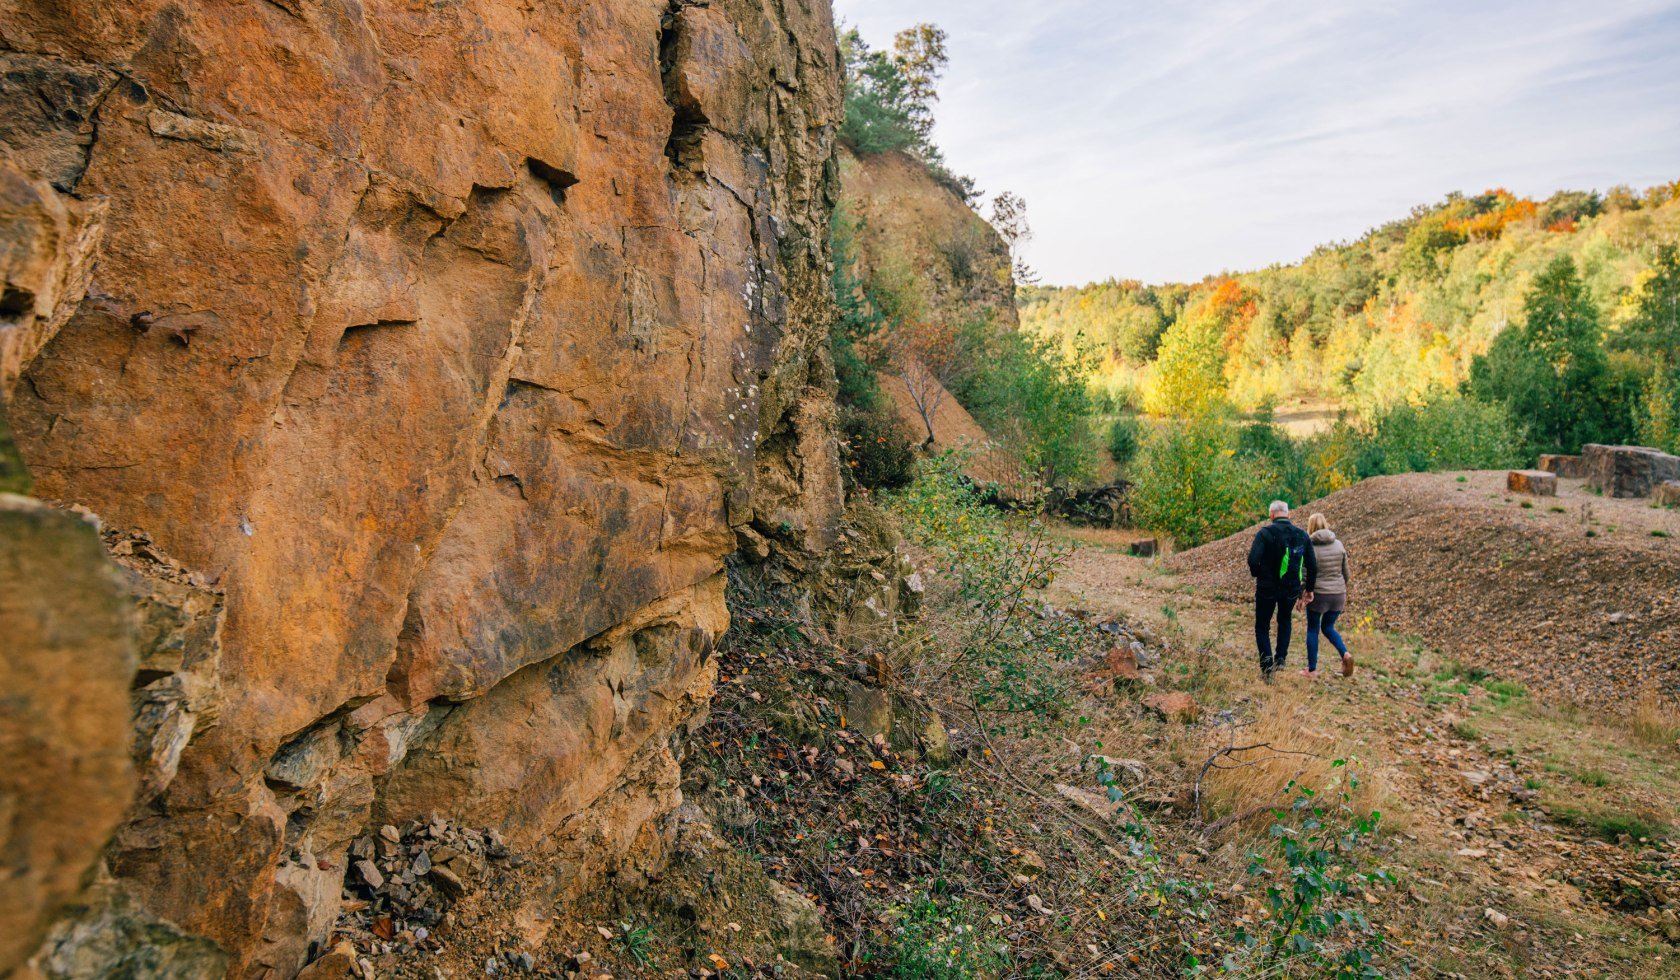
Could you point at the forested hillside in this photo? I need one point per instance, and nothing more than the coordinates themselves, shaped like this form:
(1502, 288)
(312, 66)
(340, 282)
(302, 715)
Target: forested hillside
(1397, 314)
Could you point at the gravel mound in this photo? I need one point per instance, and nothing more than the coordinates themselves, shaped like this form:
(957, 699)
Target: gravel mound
(1576, 596)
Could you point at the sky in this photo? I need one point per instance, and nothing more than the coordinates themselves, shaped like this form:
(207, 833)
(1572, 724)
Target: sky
(1167, 140)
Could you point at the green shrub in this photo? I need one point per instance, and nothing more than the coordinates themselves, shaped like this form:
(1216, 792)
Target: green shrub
(1030, 395)
(877, 452)
(1190, 483)
(934, 940)
(1448, 433)
(989, 638)
(1125, 437)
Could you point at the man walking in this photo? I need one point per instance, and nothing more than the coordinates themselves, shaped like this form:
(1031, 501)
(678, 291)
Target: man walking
(1284, 567)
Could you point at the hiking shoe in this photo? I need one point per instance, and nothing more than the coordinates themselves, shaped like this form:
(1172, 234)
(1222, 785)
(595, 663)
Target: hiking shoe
(1347, 665)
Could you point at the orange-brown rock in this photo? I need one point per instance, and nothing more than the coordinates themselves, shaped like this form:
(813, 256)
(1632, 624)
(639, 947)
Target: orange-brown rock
(431, 358)
(1173, 706)
(65, 777)
(1535, 483)
(916, 232)
(1565, 467)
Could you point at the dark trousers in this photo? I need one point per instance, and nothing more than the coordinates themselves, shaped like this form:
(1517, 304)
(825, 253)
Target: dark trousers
(1266, 606)
(1322, 623)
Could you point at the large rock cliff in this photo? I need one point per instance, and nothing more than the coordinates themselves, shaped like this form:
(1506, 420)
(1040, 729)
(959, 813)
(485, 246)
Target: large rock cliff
(423, 361)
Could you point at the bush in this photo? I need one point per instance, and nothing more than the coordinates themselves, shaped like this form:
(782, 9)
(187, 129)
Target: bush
(1125, 437)
(877, 452)
(1449, 433)
(1032, 397)
(989, 638)
(936, 940)
(1191, 484)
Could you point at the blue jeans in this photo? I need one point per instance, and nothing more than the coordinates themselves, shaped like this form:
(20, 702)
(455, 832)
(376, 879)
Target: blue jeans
(1326, 623)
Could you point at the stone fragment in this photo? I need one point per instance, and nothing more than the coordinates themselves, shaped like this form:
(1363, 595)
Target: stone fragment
(449, 881)
(1122, 664)
(370, 874)
(1535, 483)
(1173, 706)
(1668, 494)
(336, 964)
(1563, 467)
(1628, 471)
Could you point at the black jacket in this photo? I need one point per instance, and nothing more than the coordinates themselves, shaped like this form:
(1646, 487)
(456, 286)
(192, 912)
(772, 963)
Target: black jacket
(1282, 560)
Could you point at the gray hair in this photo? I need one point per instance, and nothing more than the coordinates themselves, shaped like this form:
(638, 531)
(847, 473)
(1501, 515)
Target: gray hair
(1279, 508)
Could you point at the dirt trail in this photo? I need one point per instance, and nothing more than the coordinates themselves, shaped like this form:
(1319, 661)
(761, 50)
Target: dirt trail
(1537, 835)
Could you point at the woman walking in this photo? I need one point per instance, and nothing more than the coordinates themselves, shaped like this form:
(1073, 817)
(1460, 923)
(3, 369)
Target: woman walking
(1329, 594)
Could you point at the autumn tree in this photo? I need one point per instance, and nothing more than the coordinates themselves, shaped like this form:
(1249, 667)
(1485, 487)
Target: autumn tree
(919, 56)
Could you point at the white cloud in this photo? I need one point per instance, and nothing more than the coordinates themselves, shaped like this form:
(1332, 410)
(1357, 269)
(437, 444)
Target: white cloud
(1160, 139)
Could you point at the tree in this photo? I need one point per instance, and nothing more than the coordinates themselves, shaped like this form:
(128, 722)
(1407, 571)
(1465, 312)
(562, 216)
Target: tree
(1553, 373)
(1190, 372)
(880, 110)
(919, 55)
(927, 358)
(1654, 328)
(1190, 483)
(1009, 217)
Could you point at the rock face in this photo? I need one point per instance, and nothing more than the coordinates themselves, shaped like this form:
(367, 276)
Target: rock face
(69, 657)
(1628, 471)
(1564, 467)
(1535, 483)
(425, 362)
(908, 228)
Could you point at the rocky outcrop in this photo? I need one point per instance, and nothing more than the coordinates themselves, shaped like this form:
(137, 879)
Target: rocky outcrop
(1628, 471)
(64, 681)
(917, 236)
(424, 362)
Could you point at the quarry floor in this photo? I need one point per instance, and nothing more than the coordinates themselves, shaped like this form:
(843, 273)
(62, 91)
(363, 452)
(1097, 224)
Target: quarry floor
(1535, 830)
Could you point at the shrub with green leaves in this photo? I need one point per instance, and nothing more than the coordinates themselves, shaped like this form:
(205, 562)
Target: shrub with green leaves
(992, 637)
(1447, 433)
(940, 940)
(1190, 483)
(1316, 876)
(1125, 438)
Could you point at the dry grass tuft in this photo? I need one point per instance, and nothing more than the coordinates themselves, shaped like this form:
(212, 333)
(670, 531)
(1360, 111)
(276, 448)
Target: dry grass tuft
(1653, 721)
(1252, 765)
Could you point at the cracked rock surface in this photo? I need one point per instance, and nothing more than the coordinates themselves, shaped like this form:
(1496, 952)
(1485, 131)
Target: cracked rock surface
(423, 362)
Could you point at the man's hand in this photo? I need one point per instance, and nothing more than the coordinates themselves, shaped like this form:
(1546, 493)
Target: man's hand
(1306, 599)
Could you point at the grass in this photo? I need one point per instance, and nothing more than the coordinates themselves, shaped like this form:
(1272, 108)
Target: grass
(1610, 825)
(1504, 692)
(1653, 722)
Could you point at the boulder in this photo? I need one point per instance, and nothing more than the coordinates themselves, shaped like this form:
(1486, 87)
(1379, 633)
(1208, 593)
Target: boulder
(1667, 495)
(1564, 467)
(1628, 471)
(1173, 706)
(1148, 548)
(1535, 483)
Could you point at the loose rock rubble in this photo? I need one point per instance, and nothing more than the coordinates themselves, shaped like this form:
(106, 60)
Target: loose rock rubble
(403, 882)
